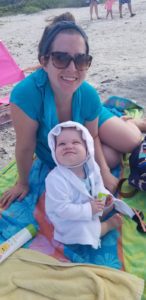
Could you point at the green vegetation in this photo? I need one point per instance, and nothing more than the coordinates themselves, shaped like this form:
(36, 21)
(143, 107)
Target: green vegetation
(8, 7)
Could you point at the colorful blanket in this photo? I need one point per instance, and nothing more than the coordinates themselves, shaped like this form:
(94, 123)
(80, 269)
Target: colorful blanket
(122, 249)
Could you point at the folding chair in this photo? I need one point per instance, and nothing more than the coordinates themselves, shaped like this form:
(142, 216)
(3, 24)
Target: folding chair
(10, 73)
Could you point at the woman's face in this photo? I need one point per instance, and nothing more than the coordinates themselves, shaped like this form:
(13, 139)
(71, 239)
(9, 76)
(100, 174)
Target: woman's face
(66, 81)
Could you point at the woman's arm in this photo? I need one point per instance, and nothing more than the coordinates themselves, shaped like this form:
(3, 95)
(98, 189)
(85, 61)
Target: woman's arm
(109, 180)
(25, 129)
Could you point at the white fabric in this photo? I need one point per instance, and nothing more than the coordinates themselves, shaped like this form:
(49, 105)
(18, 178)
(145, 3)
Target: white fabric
(67, 206)
(67, 202)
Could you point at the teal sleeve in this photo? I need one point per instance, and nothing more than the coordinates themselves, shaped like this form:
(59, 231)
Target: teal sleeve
(27, 96)
(91, 104)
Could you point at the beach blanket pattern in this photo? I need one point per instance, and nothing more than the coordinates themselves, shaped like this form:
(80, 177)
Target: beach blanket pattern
(31, 210)
(122, 249)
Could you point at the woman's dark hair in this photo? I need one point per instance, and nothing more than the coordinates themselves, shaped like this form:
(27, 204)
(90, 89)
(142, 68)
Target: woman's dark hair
(64, 17)
(62, 23)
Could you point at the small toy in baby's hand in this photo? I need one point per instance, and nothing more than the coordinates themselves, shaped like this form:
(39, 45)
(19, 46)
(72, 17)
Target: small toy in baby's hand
(101, 197)
(107, 199)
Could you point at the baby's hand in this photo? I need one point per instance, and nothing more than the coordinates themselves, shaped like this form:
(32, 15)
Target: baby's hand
(97, 206)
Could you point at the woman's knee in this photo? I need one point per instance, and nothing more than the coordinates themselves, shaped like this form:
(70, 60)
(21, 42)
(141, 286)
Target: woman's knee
(113, 157)
(119, 135)
(134, 139)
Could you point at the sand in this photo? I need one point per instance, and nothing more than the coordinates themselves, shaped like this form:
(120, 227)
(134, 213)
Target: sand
(118, 47)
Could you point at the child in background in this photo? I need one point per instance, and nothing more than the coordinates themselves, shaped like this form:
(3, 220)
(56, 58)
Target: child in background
(108, 7)
(72, 188)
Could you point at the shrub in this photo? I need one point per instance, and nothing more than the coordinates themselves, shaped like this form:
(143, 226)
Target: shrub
(32, 6)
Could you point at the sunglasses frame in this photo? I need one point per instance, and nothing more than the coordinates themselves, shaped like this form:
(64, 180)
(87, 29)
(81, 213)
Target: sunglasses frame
(71, 58)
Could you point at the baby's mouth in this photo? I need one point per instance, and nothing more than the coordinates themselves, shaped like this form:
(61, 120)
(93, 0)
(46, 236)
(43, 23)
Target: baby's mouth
(69, 152)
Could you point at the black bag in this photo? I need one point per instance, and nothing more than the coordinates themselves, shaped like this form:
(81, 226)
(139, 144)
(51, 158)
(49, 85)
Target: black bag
(137, 177)
(137, 163)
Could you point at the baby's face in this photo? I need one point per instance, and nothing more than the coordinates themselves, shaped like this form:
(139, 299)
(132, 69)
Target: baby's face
(70, 147)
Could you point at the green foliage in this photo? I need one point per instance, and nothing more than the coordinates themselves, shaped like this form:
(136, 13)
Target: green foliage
(8, 7)
(44, 4)
(30, 9)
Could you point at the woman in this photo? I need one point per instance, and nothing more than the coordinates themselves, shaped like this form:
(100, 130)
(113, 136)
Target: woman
(56, 93)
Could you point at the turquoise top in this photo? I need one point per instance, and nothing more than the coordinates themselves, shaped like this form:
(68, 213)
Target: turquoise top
(35, 97)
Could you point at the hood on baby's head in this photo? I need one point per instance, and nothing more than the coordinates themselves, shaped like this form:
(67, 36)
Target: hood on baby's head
(70, 124)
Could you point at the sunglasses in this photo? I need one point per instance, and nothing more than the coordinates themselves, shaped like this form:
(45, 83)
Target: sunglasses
(61, 60)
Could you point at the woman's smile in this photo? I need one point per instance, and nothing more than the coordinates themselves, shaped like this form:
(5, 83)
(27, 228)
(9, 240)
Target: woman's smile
(69, 78)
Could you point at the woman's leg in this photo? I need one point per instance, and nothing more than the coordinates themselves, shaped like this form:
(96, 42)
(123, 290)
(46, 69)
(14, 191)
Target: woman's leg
(118, 136)
(140, 123)
(113, 157)
(91, 10)
(107, 14)
(111, 12)
(130, 7)
(96, 9)
(120, 9)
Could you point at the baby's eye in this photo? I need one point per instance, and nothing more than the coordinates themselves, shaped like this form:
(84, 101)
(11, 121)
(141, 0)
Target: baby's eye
(61, 144)
(76, 142)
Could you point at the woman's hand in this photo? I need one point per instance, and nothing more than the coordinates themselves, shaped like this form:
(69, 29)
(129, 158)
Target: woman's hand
(25, 129)
(19, 191)
(126, 118)
(110, 181)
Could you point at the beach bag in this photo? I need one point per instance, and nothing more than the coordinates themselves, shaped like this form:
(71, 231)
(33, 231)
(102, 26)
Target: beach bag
(137, 176)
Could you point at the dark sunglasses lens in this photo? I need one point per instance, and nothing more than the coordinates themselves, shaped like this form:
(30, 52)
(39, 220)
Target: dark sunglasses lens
(60, 59)
(83, 61)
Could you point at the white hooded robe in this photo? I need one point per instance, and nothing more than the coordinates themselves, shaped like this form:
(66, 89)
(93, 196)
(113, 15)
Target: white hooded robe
(67, 202)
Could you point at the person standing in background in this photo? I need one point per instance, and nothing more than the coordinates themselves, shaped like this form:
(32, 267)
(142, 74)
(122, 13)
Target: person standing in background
(121, 2)
(108, 7)
(93, 5)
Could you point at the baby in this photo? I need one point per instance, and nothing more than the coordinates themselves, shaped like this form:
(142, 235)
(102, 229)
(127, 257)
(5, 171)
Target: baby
(76, 198)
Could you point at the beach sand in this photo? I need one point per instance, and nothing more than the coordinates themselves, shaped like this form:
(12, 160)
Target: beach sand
(118, 47)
